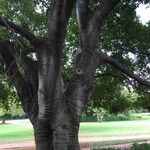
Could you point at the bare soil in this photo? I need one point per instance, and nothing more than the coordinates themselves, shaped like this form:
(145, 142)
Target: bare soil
(85, 142)
(29, 145)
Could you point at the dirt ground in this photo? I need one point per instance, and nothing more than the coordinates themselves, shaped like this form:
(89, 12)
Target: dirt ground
(84, 143)
(29, 145)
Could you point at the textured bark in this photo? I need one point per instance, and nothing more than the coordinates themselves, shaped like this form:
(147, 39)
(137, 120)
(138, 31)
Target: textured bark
(53, 112)
(23, 85)
(60, 132)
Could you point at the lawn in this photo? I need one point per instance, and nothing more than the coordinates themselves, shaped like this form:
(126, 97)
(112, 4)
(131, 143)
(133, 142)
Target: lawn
(23, 131)
(116, 128)
(15, 132)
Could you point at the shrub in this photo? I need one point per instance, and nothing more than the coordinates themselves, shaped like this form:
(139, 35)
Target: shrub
(85, 118)
(105, 116)
(119, 117)
(143, 146)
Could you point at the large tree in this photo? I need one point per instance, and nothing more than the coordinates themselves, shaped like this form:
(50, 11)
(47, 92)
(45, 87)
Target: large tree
(34, 64)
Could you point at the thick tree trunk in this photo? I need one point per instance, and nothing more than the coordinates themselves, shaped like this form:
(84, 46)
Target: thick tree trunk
(58, 142)
(56, 134)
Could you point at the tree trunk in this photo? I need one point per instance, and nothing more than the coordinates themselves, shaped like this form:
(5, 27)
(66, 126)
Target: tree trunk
(53, 112)
(4, 121)
(60, 133)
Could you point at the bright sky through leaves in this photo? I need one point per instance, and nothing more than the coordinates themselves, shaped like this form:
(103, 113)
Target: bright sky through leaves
(144, 13)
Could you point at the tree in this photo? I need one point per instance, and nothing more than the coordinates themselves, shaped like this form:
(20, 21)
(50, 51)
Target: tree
(143, 101)
(53, 108)
(8, 97)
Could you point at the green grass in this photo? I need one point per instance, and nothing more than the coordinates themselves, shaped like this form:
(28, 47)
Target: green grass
(23, 131)
(16, 132)
(116, 128)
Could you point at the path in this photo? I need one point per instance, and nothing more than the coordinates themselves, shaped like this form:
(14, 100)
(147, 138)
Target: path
(83, 140)
(29, 145)
(91, 139)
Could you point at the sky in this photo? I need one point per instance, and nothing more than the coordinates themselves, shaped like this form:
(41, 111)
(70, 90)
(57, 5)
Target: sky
(144, 13)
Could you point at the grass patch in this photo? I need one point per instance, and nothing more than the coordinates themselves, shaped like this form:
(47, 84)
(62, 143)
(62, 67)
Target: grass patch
(23, 131)
(16, 132)
(115, 128)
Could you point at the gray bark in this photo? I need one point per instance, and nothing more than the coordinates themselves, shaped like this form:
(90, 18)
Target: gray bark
(55, 114)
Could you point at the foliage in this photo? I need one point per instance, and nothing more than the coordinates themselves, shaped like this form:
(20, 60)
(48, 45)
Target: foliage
(15, 112)
(143, 146)
(117, 100)
(28, 17)
(85, 118)
(123, 35)
(143, 101)
(38, 65)
(122, 40)
(120, 117)
(8, 96)
(105, 116)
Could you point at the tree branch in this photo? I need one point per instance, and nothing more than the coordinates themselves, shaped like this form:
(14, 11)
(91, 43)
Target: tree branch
(29, 66)
(122, 68)
(49, 59)
(83, 16)
(83, 11)
(18, 29)
(101, 14)
(58, 19)
(81, 85)
(23, 86)
(11, 66)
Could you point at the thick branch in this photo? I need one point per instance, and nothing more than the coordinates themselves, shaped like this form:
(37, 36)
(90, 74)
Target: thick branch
(58, 19)
(29, 66)
(83, 12)
(11, 66)
(23, 86)
(83, 17)
(123, 69)
(49, 59)
(101, 14)
(81, 86)
(18, 29)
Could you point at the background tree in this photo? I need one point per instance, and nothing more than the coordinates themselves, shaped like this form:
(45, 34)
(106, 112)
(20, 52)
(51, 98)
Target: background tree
(8, 97)
(36, 63)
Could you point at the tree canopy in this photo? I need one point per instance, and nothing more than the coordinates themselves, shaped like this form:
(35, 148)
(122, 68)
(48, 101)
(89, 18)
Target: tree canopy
(123, 37)
(53, 54)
